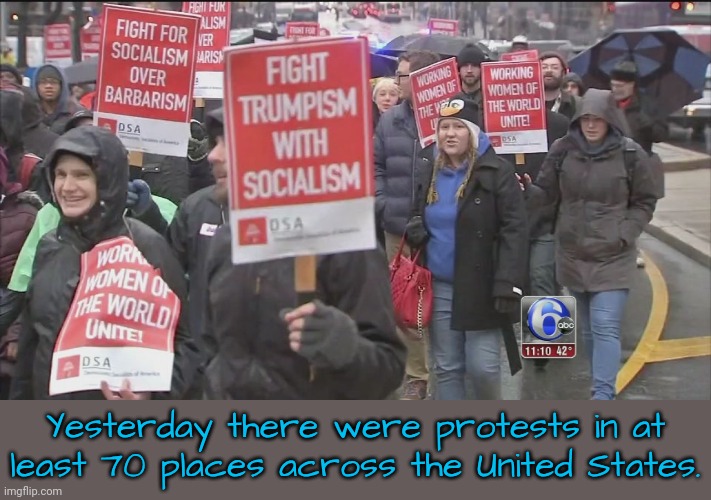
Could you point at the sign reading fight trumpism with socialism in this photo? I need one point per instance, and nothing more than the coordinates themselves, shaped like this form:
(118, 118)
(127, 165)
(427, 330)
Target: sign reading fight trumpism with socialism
(294, 30)
(121, 324)
(90, 40)
(443, 26)
(58, 44)
(514, 106)
(146, 75)
(521, 55)
(432, 86)
(213, 36)
(300, 148)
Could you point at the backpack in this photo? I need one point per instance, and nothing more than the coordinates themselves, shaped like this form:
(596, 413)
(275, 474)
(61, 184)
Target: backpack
(630, 159)
(27, 168)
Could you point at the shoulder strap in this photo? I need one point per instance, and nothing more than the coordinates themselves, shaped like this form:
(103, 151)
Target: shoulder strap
(29, 162)
(630, 159)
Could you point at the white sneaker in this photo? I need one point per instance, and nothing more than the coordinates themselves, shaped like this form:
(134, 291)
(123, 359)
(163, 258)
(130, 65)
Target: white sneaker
(640, 262)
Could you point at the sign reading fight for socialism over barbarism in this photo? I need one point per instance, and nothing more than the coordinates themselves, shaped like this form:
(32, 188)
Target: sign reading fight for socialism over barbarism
(146, 75)
(300, 148)
(58, 44)
(121, 324)
(295, 30)
(443, 26)
(514, 106)
(432, 86)
(214, 35)
(521, 55)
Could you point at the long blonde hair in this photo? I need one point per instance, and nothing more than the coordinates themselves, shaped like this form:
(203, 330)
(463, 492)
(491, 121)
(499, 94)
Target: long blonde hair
(443, 160)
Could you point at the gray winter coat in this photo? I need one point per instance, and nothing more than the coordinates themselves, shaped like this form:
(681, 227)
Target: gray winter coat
(602, 211)
(398, 159)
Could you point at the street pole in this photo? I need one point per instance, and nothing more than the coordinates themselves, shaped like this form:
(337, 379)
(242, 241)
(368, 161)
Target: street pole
(3, 21)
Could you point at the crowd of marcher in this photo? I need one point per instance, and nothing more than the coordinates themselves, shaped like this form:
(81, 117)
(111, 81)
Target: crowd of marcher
(489, 229)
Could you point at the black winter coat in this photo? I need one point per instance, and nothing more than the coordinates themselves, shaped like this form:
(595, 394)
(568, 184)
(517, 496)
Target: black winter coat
(248, 349)
(190, 235)
(57, 269)
(491, 243)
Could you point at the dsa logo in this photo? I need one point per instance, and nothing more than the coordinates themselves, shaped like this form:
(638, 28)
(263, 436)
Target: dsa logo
(68, 367)
(108, 124)
(549, 318)
(100, 362)
(129, 129)
(495, 141)
(252, 231)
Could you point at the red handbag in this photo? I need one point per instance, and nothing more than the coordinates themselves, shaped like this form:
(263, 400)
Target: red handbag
(411, 288)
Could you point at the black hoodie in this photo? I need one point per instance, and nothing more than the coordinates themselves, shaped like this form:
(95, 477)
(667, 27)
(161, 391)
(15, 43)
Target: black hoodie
(57, 268)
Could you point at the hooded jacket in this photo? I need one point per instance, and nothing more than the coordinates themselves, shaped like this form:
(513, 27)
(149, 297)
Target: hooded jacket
(11, 99)
(37, 137)
(66, 105)
(58, 263)
(602, 211)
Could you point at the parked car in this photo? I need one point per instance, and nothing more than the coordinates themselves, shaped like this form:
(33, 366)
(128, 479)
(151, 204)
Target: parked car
(697, 115)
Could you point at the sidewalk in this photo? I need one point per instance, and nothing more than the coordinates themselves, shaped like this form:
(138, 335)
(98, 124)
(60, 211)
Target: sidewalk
(683, 218)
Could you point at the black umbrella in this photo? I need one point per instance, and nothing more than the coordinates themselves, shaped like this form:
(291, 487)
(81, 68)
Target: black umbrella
(670, 69)
(445, 45)
(83, 72)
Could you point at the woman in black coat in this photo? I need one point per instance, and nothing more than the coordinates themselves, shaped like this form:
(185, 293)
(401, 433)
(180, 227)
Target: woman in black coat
(88, 170)
(475, 230)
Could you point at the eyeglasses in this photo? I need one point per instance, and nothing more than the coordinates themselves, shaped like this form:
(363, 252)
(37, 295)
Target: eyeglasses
(399, 76)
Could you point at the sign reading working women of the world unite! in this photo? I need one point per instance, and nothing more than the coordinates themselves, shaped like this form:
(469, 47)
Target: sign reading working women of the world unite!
(121, 324)
(300, 148)
(514, 106)
(146, 75)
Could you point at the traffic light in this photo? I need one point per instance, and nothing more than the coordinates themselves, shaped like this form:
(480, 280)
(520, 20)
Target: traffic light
(682, 6)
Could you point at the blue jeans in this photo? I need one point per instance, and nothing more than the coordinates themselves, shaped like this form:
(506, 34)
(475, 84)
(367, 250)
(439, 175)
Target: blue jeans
(599, 321)
(456, 353)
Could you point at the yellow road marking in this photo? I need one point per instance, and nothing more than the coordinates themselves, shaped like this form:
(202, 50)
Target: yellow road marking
(652, 332)
(667, 350)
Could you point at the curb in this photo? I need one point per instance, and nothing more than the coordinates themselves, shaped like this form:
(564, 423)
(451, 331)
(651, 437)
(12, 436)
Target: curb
(686, 165)
(680, 239)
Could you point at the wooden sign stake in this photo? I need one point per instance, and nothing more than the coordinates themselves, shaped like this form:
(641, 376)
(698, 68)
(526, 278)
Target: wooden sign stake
(305, 278)
(305, 284)
(199, 102)
(135, 158)
(520, 159)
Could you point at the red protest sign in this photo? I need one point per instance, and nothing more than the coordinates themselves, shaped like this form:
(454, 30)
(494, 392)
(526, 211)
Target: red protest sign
(213, 36)
(324, 32)
(301, 30)
(515, 107)
(443, 26)
(146, 74)
(90, 38)
(299, 148)
(58, 44)
(521, 55)
(431, 86)
(121, 324)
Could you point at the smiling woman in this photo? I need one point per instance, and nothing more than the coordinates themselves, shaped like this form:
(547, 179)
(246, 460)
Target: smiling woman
(74, 186)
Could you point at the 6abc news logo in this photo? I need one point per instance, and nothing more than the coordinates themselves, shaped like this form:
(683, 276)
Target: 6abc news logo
(548, 327)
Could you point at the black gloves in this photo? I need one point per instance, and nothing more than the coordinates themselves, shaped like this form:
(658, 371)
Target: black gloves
(198, 147)
(416, 234)
(329, 339)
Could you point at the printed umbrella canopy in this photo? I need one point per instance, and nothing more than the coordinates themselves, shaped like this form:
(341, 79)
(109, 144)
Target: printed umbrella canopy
(670, 69)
